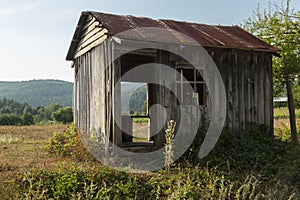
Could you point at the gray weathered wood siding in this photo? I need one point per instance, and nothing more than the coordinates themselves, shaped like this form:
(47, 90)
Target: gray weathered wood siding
(93, 33)
(247, 76)
(92, 88)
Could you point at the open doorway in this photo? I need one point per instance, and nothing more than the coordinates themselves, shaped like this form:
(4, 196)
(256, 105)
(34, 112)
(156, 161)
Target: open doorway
(135, 117)
(134, 102)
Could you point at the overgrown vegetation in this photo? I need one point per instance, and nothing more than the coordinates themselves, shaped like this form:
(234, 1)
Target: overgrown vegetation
(68, 144)
(104, 183)
(243, 165)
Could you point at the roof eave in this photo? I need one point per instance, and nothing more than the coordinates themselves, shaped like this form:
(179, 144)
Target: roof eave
(76, 36)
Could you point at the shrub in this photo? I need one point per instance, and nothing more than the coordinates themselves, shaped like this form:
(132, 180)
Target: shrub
(68, 144)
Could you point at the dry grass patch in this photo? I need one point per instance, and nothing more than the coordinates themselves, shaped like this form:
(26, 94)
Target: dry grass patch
(22, 148)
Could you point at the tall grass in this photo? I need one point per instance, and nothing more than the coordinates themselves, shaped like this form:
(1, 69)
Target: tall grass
(104, 183)
(244, 165)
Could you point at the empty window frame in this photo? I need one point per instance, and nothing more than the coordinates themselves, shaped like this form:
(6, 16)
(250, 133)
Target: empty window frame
(190, 77)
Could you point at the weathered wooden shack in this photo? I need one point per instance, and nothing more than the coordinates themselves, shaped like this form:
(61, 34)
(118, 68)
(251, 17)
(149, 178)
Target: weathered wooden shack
(244, 62)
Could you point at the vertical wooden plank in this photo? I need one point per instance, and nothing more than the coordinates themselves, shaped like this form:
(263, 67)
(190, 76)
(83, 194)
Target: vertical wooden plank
(248, 86)
(225, 76)
(235, 87)
(261, 91)
(271, 114)
(99, 90)
(162, 58)
(255, 85)
(253, 89)
(241, 94)
(108, 97)
(221, 60)
(85, 93)
(116, 98)
(87, 78)
(245, 84)
(268, 97)
(77, 120)
(97, 87)
(81, 94)
(75, 97)
(91, 107)
(229, 90)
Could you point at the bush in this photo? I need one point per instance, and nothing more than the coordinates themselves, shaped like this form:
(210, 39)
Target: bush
(68, 144)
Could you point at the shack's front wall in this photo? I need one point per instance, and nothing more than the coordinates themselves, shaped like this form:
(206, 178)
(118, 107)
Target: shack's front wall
(92, 88)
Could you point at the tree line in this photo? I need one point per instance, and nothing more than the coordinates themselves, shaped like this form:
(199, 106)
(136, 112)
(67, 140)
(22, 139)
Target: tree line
(15, 113)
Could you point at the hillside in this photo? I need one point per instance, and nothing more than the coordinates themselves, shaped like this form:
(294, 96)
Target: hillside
(38, 92)
(44, 92)
(133, 96)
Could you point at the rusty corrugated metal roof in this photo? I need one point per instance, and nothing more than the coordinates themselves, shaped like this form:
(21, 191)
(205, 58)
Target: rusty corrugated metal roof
(205, 35)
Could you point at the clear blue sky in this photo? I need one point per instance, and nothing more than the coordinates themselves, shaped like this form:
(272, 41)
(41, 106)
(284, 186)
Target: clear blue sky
(35, 34)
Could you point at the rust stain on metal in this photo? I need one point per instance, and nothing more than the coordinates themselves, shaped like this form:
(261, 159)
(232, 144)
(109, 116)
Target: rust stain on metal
(205, 35)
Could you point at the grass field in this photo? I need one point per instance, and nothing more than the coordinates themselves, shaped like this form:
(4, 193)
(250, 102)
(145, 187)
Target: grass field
(283, 112)
(239, 168)
(22, 149)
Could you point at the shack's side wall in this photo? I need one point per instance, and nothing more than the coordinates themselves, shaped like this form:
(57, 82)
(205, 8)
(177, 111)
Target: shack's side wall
(92, 87)
(248, 81)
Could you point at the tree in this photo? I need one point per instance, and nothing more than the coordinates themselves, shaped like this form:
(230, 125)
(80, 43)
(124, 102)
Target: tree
(28, 119)
(63, 115)
(280, 26)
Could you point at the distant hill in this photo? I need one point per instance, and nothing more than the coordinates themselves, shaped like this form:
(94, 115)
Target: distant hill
(44, 92)
(38, 92)
(132, 94)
